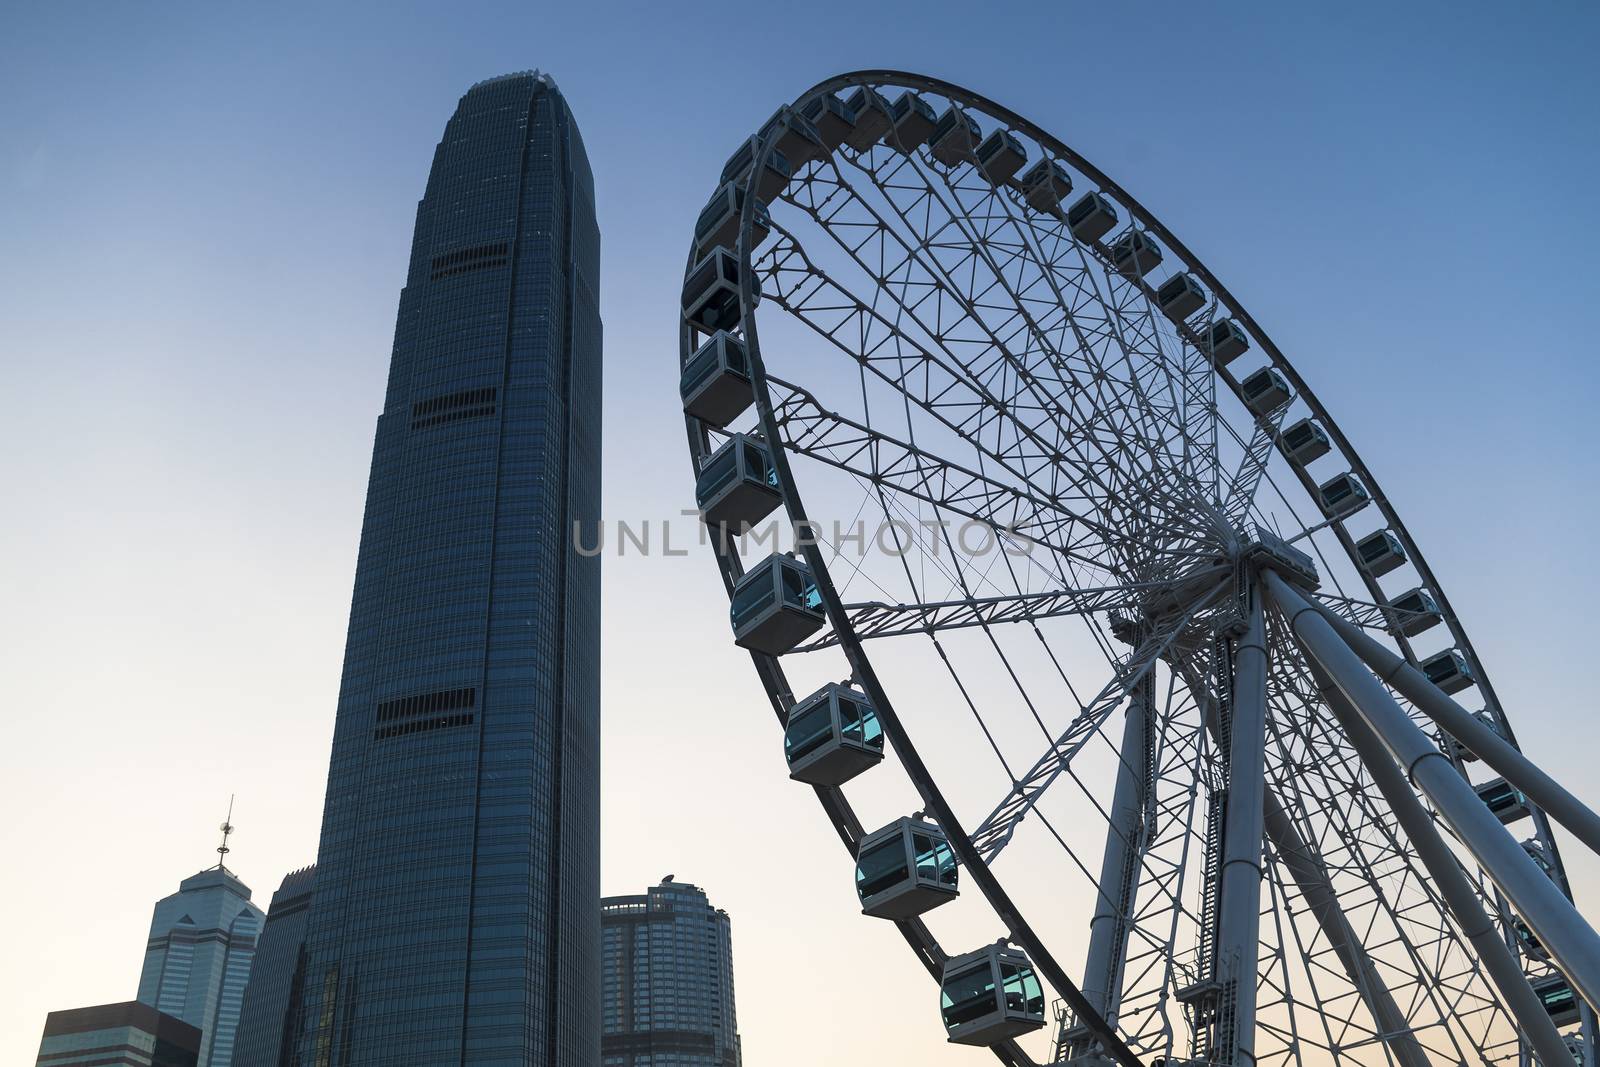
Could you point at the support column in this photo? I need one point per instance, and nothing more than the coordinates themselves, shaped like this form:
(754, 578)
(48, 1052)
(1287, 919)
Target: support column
(1496, 751)
(1239, 899)
(1531, 1018)
(1118, 865)
(1564, 933)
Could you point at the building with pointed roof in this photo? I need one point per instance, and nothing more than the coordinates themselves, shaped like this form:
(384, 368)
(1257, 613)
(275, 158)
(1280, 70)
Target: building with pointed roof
(197, 960)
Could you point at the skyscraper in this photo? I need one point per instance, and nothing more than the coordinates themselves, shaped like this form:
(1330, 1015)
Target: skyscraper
(197, 961)
(269, 1016)
(130, 1034)
(667, 980)
(456, 914)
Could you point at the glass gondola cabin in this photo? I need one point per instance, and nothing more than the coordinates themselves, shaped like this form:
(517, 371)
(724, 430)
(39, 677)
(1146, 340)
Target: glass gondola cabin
(1381, 552)
(1180, 296)
(871, 112)
(832, 736)
(711, 292)
(990, 995)
(718, 223)
(775, 606)
(1091, 217)
(832, 118)
(774, 176)
(1531, 945)
(1555, 993)
(1343, 495)
(738, 486)
(1045, 185)
(1449, 670)
(1000, 156)
(1507, 804)
(1541, 859)
(954, 136)
(912, 120)
(796, 137)
(1265, 391)
(1225, 341)
(1305, 441)
(715, 383)
(905, 869)
(1414, 612)
(1135, 253)
(1462, 752)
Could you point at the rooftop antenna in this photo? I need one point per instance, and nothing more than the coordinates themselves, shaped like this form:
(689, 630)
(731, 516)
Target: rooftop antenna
(226, 828)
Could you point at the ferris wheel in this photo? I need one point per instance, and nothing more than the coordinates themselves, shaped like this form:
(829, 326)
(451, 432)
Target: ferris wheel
(1188, 733)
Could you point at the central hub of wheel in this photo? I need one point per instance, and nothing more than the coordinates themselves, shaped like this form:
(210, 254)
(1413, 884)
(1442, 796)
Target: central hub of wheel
(1269, 550)
(1189, 593)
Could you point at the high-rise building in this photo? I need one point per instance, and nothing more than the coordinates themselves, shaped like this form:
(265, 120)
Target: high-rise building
(667, 980)
(456, 914)
(197, 961)
(129, 1034)
(270, 1014)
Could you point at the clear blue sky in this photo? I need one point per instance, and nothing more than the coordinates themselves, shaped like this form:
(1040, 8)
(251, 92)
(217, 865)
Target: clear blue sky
(206, 212)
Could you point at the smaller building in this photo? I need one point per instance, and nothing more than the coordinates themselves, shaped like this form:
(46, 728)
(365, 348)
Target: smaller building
(129, 1034)
(667, 980)
(269, 1020)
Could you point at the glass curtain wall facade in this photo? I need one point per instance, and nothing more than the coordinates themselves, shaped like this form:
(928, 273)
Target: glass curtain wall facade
(456, 914)
(268, 1017)
(667, 980)
(197, 961)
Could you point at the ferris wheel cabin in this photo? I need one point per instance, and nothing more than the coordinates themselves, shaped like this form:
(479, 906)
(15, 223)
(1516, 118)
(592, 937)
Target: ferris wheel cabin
(1462, 752)
(1381, 552)
(1091, 217)
(832, 736)
(1225, 341)
(775, 606)
(1555, 993)
(1449, 670)
(954, 136)
(711, 292)
(1180, 296)
(905, 869)
(1000, 156)
(832, 118)
(738, 486)
(872, 119)
(1135, 253)
(774, 176)
(794, 136)
(1045, 185)
(719, 220)
(1528, 940)
(1414, 611)
(1265, 391)
(715, 383)
(990, 995)
(1305, 441)
(1541, 859)
(1343, 496)
(1503, 799)
(912, 120)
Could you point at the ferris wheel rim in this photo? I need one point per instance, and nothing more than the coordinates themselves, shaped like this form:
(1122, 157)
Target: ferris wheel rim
(1150, 221)
(839, 618)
